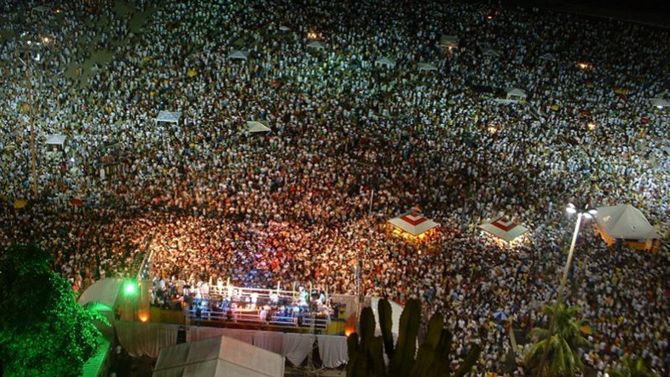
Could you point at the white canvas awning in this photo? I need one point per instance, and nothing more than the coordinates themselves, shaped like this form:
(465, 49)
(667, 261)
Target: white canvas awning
(238, 55)
(103, 291)
(316, 45)
(218, 357)
(504, 228)
(516, 94)
(386, 61)
(253, 127)
(625, 222)
(413, 222)
(659, 102)
(168, 116)
(55, 139)
(426, 67)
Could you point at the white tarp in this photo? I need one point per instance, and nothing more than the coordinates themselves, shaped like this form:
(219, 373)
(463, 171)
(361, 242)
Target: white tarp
(426, 67)
(316, 45)
(659, 102)
(218, 357)
(253, 127)
(516, 94)
(103, 291)
(238, 55)
(55, 139)
(168, 116)
(386, 61)
(413, 223)
(504, 228)
(396, 311)
(625, 222)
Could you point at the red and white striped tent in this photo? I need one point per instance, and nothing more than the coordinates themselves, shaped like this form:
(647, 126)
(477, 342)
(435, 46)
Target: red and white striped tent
(413, 223)
(504, 228)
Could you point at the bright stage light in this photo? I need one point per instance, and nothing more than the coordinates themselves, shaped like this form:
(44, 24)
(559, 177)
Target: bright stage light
(130, 288)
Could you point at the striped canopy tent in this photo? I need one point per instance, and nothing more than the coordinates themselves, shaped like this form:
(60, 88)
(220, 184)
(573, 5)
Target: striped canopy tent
(504, 229)
(413, 223)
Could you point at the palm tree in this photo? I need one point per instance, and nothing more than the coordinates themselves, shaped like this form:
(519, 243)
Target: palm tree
(632, 367)
(555, 351)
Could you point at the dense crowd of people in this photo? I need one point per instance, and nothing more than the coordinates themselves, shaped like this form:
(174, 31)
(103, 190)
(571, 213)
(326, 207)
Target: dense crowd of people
(352, 143)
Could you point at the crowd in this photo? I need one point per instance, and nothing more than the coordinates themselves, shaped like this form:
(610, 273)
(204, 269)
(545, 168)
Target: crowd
(353, 143)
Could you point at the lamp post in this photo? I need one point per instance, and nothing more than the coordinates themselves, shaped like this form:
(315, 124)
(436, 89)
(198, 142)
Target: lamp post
(585, 214)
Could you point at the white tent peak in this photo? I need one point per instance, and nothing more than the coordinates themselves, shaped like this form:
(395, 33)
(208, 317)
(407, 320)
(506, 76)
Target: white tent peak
(386, 61)
(504, 228)
(426, 67)
(238, 55)
(625, 222)
(218, 357)
(659, 102)
(55, 139)
(316, 45)
(254, 126)
(413, 222)
(168, 116)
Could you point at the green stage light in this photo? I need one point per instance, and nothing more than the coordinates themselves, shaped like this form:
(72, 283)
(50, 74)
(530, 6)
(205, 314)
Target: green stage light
(130, 288)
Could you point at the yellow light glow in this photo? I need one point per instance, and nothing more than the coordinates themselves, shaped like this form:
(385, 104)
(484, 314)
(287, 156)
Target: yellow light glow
(591, 126)
(492, 130)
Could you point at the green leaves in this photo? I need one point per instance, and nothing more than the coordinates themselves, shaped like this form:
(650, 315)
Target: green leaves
(46, 333)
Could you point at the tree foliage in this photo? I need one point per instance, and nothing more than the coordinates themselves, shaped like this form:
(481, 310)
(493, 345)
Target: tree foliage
(555, 351)
(43, 330)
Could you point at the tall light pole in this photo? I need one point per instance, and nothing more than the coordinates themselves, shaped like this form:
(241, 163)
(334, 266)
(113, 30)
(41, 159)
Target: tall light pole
(586, 214)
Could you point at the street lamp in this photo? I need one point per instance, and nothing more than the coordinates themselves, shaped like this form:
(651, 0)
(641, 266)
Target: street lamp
(586, 214)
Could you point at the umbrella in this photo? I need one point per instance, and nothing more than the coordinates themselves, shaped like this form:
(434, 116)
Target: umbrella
(499, 316)
(20, 203)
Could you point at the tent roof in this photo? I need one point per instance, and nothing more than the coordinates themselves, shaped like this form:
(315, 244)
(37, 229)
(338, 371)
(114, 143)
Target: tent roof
(168, 116)
(253, 127)
(490, 52)
(413, 223)
(386, 61)
(102, 291)
(659, 102)
(238, 54)
(516, 92)
(625, 222)
(548, 56)
(426, 67)
(503, 228)
(316, 45)
(449, 40)
(55, 139)
(218, 356)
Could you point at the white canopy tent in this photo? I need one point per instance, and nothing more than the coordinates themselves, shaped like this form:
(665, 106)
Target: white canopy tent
(659, 102)
(426, 67)
(168, 116)
(413, 222)
(238, 55)
(253, 127)
(386, 62)
(516, 94)
(316, 45)
(55, 139)
(218, 357)
(103, 291)
(449, 41)
(625, 222)
(504, 229)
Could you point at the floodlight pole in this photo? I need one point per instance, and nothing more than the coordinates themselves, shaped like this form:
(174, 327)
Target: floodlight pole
(566, 269)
